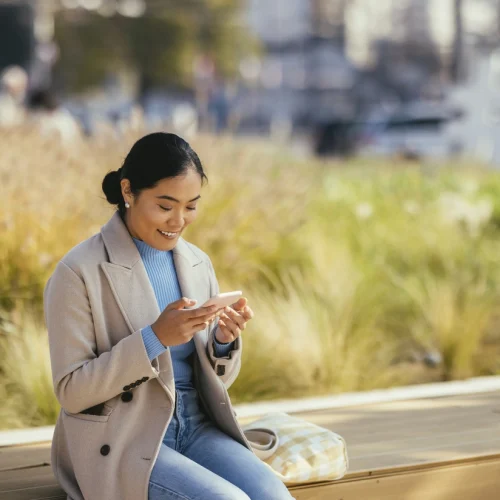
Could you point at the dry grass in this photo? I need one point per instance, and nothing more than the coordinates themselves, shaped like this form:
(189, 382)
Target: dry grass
(356, 271)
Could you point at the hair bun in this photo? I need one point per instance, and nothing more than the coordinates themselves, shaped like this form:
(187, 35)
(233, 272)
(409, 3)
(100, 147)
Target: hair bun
(111, 187)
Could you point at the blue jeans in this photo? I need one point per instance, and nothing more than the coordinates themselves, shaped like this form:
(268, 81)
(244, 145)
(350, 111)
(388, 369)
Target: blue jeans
(197, 461)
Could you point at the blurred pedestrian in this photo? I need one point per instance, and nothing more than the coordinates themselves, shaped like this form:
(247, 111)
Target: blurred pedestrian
(13, 87)
(219, 106)
(51, 118)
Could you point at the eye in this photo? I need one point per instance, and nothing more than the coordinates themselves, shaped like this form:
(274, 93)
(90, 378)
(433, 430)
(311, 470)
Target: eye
(166, 209)
(191, 208)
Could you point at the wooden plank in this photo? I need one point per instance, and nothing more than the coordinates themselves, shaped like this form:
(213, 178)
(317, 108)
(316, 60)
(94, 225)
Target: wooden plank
(376, 421)
(412, 432)
(38, 493)
(442, 440)
(472, 400)
(427, 413)
(417, 434)
(364, 434)
(16, 457)
(376, 461)
(26, 478)
(469, 480)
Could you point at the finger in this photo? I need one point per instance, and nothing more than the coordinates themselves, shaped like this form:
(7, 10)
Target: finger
(239, 304)
(247, 317)
(248, 313)
(199, 326)
(235, 317)
(226, 333)
(231, 326)
(200, 320)
(219, 311)
(202, 313)
(181, 303)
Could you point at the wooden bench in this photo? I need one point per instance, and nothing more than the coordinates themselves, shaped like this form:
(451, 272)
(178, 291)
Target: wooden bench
(426, 449)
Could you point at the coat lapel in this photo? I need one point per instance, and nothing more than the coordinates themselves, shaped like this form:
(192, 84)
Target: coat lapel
(191, 281)
(127, 276)
(133, 291)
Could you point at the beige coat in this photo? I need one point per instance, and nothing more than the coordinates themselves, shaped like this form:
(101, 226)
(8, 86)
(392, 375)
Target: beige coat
(96, 302)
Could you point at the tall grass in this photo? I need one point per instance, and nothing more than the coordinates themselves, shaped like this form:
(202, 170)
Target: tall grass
(26, 389)
(362, 274)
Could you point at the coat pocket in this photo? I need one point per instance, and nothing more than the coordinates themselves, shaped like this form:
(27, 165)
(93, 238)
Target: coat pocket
(97, 413)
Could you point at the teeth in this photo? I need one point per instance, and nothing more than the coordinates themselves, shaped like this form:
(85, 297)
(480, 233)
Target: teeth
(168, 234)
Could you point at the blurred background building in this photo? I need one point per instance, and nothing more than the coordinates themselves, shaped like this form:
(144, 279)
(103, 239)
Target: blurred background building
(411, 77)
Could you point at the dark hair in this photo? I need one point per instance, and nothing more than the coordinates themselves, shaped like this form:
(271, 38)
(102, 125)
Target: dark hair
(43, 99)
(152, 158)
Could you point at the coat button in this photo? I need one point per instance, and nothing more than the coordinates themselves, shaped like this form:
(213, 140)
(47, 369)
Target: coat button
(127, 396)
(144, 379)
(221, 370)
(105, 449)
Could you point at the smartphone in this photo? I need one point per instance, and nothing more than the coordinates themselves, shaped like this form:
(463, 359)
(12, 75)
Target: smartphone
(223, 299)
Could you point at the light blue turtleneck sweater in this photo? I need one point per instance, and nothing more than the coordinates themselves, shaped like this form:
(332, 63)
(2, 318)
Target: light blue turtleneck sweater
(163, 277)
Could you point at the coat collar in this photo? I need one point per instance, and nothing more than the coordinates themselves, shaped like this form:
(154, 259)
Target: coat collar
(123, 251)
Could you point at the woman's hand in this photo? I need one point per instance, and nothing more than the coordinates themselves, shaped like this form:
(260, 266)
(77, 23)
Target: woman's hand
(177, 325)
(232, 321)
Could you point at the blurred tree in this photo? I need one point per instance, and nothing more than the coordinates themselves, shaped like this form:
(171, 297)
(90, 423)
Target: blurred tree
(456, 66)
(16, 34)
(160, 45)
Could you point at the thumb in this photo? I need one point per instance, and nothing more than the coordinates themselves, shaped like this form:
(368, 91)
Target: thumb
(239, 304)
(181, 304)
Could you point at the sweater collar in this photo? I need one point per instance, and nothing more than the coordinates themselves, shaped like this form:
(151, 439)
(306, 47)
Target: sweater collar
(148, 252)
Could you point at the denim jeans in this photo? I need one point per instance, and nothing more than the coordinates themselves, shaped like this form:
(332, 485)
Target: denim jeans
(197, 461)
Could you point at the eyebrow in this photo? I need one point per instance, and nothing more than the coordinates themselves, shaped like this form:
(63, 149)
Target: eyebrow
(166, 197)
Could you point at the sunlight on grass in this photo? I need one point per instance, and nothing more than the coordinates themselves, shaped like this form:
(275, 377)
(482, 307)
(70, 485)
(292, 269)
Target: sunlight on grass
(362, 274)
(27, 392)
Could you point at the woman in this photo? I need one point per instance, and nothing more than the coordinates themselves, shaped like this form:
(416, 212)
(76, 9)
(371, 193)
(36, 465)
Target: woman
(141, 373)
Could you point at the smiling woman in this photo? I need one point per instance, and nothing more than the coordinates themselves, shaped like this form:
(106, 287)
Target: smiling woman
(140, 374)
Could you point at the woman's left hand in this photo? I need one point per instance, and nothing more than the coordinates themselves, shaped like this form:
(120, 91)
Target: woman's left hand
(232, 321)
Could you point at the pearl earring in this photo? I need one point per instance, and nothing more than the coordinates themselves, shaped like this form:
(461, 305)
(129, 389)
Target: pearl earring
(127, 204)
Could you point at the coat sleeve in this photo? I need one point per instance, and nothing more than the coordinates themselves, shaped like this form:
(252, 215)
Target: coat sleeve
(81, 378)
(228, 367)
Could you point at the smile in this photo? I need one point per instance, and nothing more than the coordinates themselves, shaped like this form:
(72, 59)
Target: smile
(170, 236)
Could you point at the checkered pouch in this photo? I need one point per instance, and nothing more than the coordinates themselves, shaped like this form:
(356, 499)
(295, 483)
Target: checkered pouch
(296, 450)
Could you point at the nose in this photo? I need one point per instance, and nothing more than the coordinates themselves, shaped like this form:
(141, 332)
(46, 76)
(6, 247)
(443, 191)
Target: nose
(176, 221)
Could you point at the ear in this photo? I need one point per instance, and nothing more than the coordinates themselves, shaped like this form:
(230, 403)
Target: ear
(126, 191)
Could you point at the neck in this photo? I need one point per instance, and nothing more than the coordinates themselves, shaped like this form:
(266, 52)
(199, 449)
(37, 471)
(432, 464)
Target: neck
(126, 221)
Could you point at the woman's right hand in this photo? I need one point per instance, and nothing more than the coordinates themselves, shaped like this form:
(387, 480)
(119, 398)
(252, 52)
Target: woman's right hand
(177, 325)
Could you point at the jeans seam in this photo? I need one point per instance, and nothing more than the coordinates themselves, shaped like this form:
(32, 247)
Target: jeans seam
(177, 495)
(182, 427)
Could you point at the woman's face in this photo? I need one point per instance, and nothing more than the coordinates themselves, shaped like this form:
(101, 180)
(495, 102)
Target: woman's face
(169, 207)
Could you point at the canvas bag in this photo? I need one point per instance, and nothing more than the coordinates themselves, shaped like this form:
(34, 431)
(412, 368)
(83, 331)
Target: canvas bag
(296, 450)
